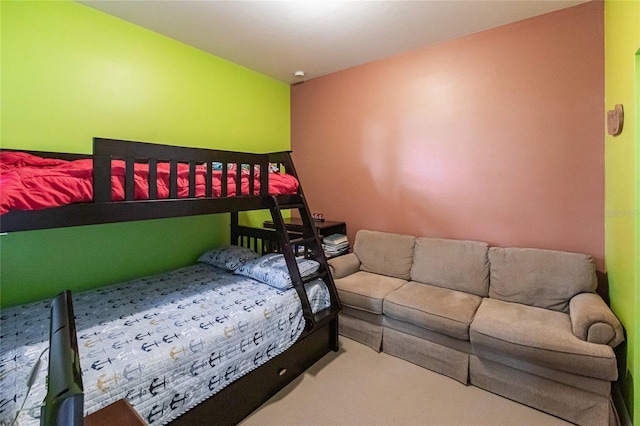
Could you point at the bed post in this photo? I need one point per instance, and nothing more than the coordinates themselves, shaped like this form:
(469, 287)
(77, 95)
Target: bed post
(235, 236)
(101, 171)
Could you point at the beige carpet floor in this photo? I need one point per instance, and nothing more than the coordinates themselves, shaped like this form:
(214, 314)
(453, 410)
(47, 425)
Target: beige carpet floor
(358, 386)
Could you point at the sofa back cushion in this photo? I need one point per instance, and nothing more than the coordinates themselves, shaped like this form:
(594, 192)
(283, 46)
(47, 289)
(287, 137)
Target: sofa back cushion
(453, 264)
(385, 253)
(543, 278)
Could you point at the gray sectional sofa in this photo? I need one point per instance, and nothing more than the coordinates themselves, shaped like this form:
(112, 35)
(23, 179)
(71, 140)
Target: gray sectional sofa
(522, 323)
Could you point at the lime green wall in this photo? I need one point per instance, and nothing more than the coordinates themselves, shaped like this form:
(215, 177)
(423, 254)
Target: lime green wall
(70, 73)
(637, 213)
(622, 215)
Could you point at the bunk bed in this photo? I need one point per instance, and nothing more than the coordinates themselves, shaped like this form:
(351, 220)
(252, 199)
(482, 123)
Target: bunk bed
(139, 181)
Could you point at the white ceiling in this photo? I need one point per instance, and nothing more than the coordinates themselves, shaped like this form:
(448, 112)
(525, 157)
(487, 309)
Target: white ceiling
(277, 38)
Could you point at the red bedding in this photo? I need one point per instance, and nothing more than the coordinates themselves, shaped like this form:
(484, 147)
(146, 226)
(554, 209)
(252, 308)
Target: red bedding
(29, 182)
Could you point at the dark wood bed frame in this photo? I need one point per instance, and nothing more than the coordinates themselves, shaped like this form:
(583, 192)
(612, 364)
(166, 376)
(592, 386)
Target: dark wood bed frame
(103, 210)
(242, 397)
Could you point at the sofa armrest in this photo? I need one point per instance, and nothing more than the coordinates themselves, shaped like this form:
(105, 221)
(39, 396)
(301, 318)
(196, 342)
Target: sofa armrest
(342, 266)
(593, 321)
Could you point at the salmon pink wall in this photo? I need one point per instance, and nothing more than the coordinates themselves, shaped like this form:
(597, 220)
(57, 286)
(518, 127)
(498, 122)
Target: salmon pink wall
(497, 136)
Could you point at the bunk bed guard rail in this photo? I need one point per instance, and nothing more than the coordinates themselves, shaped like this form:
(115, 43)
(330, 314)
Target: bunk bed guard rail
(106, 150)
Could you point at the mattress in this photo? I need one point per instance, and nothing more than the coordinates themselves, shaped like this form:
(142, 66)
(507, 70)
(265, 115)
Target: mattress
(165, 343)
(30, 182)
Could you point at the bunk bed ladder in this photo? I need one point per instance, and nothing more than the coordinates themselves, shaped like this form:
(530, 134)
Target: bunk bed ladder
(312, 249)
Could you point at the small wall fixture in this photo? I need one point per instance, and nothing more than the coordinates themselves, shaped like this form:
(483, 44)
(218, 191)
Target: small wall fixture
(615, 120)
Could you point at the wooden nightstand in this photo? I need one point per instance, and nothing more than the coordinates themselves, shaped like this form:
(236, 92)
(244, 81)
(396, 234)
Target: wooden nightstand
(120, 413)
(323, 228)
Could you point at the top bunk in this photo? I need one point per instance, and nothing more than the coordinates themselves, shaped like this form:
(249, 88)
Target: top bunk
(127, 181)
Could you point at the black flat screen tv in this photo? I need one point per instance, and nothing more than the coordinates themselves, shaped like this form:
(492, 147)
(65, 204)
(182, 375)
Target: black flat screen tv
(64, 403)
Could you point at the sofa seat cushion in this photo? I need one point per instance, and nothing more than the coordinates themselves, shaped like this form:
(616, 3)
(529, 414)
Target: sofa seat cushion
(438, 309)
(366, 291)
(538, 336)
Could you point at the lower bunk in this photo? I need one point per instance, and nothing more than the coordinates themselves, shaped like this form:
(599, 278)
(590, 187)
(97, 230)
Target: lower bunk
(202, 344)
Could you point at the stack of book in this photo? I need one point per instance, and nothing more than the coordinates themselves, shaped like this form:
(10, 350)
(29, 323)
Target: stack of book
(335, 245)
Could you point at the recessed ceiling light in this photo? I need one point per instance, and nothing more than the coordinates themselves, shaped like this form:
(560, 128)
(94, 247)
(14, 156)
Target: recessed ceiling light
(298, 74)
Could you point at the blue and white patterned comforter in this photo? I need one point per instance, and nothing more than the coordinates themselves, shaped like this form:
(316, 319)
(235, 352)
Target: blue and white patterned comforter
(165, 342)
